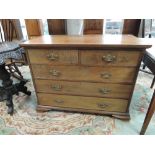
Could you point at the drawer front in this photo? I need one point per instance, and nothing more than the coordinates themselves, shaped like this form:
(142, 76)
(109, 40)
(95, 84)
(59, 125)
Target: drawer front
(53, 57)
(84, 88)
(110, 58)
(79, 102)
(79, 73)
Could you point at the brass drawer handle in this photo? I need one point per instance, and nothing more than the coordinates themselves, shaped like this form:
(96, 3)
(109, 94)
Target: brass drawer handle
(104, 90)
(58, 101)
(103, 105)
(109, 58)
(54, 72)
(105, 75)
(56, 87)
(52, 57)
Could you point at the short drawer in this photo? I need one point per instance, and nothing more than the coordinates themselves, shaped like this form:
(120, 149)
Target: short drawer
(110, 58)
(79, 102)
(53, 56)
(84, 88)
(80, 73)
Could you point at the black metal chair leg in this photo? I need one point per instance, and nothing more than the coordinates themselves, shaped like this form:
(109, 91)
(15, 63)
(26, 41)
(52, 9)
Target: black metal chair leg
(22, 88)
(144, 66)
(15, 72)
(10, 105)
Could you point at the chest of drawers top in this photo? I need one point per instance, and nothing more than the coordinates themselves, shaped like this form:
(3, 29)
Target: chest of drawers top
(85, 41)
(90, 73)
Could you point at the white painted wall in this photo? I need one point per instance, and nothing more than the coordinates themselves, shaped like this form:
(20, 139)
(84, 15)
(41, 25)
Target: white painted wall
(74, 26)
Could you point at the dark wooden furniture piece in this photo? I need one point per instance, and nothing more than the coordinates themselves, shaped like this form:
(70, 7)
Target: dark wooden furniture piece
(89, 73)
(93, 26)
(10, 50)
(149, 115)
(131, 26)
(8, 89)
(56, 26)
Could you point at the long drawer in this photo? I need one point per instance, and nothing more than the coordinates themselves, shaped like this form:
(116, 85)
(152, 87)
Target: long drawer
(79, 102)
(79, 73)
(110, 58)
(53, 56)
(84, 88)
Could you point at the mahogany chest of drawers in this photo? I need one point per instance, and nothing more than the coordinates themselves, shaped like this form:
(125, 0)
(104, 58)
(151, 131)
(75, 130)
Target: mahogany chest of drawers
(91, 73)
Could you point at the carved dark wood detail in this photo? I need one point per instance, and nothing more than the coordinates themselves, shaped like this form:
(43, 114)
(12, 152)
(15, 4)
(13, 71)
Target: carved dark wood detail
(8, 89)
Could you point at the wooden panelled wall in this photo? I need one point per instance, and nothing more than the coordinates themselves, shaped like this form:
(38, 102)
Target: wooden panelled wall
(91, 26)
(18, 30)
(34, 27)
